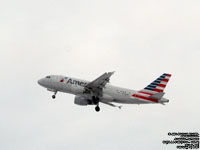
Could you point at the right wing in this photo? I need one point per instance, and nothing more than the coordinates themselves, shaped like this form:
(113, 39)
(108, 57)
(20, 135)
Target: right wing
(101, 81)
(98, 84)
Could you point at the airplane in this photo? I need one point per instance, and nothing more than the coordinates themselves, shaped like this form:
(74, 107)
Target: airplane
(100, 91)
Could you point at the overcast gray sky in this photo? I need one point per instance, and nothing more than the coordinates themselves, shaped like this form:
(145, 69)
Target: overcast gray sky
(139, 40)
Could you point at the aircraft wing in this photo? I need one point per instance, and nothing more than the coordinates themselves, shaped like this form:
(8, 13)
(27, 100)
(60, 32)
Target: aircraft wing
(99, 83)
(110, 104)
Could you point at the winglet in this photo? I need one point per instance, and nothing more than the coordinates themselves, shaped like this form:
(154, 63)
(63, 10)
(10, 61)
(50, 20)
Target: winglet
(111, 72)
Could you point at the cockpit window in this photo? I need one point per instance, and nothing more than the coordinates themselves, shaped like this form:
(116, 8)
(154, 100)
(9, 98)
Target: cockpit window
(66, 78)
(48, 77)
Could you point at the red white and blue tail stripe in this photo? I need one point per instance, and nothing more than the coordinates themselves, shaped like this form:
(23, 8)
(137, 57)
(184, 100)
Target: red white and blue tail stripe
(158, 85)
(151, 91)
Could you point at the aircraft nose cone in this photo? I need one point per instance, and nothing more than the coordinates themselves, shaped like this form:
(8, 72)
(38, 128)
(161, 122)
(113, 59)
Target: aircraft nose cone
(40, 82)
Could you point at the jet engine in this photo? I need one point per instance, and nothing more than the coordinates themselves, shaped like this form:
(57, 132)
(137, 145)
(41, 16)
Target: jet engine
(82, 101)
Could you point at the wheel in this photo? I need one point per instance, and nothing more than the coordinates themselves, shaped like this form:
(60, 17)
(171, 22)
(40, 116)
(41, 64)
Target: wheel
(97, 108)
(53, 96)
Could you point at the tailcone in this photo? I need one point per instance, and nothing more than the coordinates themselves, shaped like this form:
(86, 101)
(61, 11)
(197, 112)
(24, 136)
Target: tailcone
(164, 100)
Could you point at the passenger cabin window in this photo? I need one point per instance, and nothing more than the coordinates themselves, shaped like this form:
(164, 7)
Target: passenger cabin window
(48, 77)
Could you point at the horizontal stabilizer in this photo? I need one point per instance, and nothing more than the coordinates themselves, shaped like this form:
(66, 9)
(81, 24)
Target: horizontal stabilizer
(157, 95)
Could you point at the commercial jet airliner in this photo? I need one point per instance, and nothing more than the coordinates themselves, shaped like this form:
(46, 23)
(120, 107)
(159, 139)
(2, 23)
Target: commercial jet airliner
(100, 91)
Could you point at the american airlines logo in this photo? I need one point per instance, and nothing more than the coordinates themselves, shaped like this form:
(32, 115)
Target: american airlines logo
(80, 83)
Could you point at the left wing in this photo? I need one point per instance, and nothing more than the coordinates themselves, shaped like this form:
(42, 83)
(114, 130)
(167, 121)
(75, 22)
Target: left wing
(110, 104)
(98, 84)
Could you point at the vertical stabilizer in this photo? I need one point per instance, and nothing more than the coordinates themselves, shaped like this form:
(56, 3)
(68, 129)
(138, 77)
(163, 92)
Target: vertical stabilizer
(157, 86)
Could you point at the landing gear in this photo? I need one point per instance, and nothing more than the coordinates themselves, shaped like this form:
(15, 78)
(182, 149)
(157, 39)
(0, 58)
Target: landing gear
(97, 108)
(95, 100)
(54, 96)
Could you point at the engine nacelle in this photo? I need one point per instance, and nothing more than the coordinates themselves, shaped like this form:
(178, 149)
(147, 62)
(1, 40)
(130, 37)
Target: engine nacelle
(81, 101)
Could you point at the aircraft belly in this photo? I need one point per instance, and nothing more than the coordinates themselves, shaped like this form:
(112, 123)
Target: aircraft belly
(67, 88)
(130, 101)
(62, 87)
(107, 98)
(123, 97)
(56, 86)
(126, 101)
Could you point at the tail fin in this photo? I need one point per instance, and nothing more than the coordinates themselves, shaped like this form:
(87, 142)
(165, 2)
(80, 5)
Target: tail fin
(156, 88)
(157, 95)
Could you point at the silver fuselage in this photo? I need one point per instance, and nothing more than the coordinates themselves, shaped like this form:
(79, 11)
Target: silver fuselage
(110, 93)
